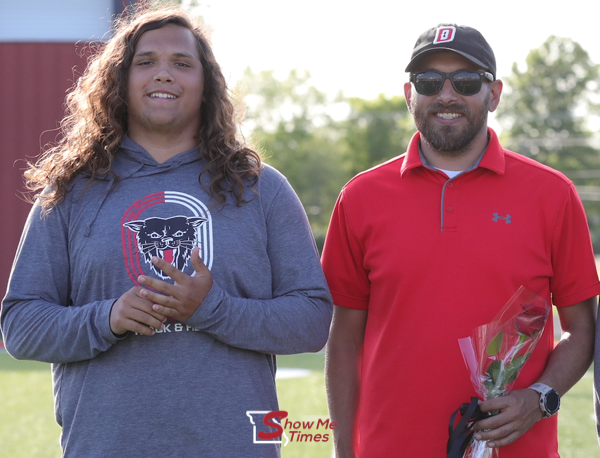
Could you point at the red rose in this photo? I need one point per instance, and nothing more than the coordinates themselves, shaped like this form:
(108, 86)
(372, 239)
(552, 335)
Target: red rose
(531, 320)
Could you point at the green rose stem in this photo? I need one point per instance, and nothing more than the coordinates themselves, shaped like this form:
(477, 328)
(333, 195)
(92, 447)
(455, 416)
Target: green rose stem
(502, 372)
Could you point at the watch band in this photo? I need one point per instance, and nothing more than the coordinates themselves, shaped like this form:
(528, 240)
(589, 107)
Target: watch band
(549, 399)
(541, 388)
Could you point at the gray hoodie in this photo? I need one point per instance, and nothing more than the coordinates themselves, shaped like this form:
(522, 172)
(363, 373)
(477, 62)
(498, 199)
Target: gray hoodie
(185, 391)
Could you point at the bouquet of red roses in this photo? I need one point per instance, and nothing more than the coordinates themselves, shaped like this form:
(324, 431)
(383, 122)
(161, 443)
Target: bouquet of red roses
(496, 352)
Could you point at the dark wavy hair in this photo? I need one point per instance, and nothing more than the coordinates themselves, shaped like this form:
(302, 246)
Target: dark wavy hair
(97, 118)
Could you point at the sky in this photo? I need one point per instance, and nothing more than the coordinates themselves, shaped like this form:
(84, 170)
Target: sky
(362, 47)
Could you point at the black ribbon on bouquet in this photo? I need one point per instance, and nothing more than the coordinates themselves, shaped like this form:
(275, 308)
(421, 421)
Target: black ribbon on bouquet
(460, 436)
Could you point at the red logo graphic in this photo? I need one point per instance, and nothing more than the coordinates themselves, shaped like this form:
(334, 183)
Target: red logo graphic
(272, 428)
(444, 34)
(281, 414)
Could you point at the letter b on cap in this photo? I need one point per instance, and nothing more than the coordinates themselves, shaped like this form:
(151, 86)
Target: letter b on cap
(444, 35)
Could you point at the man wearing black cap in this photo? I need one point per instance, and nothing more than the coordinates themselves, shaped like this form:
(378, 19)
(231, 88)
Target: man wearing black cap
(431, 244)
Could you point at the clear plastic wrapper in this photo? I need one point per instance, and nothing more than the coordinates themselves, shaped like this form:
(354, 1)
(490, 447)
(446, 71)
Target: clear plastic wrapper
(496, 352)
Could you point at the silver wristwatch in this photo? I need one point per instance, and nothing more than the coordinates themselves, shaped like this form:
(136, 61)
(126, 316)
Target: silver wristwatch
(549, 399)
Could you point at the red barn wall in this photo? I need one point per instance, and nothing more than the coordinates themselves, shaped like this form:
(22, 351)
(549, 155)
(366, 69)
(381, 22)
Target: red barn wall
(35, 78)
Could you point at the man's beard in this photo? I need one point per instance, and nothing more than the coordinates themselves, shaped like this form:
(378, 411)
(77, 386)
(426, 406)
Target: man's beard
(450, 140)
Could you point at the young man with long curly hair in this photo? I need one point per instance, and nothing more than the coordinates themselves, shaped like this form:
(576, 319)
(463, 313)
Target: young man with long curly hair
(163, 265)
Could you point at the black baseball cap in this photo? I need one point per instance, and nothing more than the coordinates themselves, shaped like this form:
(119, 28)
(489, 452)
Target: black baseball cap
(460, 39)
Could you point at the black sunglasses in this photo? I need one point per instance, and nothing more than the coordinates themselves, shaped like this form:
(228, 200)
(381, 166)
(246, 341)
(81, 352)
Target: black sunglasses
(464, 82)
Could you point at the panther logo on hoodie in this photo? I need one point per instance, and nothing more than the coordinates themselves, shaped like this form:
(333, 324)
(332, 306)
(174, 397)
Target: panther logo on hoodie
(171, 238)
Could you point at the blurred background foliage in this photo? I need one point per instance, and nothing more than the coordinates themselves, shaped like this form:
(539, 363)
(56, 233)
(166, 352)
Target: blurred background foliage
(544, 113)
(319, 142)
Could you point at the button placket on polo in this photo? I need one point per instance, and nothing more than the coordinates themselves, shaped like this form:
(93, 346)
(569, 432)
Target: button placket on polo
(449, 202)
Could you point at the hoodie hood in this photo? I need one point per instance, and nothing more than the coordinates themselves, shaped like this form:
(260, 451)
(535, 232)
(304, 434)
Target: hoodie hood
(132, 160)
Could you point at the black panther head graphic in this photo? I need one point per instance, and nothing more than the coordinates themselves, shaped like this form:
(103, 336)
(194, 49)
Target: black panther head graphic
(171, 239)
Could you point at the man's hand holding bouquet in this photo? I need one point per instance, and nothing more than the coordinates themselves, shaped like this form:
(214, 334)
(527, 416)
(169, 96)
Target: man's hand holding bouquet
(494, 354)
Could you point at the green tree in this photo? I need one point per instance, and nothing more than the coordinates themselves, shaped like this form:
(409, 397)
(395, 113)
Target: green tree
(292, 126)
(544, 107)
(376, 131)
(543, 112)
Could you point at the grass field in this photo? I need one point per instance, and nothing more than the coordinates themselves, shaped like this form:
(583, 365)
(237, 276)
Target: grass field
(28, 429)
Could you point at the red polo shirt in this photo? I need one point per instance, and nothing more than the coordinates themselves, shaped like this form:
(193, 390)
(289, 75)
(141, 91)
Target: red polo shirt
(432, 258)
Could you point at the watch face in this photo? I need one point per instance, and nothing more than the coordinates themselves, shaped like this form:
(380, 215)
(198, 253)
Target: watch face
(552, 401)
